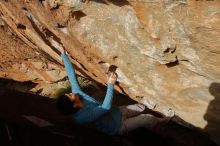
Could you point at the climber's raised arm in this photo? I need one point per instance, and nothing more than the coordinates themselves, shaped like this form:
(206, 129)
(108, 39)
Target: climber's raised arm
(68, 67)
(107, 103)
(71, 74)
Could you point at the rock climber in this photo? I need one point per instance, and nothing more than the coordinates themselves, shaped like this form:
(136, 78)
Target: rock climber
(104, 117)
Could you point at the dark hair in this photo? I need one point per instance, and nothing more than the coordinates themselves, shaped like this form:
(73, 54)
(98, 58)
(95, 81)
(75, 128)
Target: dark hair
(65, 105)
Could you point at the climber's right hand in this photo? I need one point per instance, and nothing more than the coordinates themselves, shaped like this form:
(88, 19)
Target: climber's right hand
(57, 45)
(112, 77)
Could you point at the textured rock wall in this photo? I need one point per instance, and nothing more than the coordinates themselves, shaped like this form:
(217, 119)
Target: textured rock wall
(165, 50)
(21, 63)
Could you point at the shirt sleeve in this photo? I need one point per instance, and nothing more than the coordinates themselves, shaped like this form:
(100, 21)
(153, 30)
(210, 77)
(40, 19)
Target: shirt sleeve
(107, 103)
(71, 74)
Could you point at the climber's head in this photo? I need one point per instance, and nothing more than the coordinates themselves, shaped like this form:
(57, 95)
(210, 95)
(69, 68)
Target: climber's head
(69, 103)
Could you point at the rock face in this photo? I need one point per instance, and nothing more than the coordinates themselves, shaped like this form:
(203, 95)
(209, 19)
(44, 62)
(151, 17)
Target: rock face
(20, 62)
(166, 51)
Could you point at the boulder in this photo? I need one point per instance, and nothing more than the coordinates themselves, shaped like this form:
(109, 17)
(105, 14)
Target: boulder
(165, 51)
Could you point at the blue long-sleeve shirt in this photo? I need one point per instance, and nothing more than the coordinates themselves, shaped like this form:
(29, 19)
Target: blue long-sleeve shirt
(98, 115)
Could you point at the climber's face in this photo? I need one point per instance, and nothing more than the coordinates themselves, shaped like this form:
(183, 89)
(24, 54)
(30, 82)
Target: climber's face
(75, 99)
